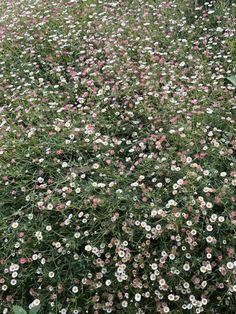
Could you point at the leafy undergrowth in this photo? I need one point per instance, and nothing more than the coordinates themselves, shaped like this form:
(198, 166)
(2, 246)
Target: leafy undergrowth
(117, 165)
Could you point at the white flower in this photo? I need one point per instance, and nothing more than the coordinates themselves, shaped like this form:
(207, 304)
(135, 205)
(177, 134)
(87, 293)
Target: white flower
(221, 219)
(188, 160)
(154, 266)
(77, 235)
(40, 180)
(166, 309)
(186, 267)
(153, 213)
(209, 205)
(50, 207)
(14, 225)
(95, 166)
(193, 232)
(121, 253)
(36, 302)
(180, 181)
(124, 303)
(206, 173)
(171, 297)
(209, 228)
(203, 269)
(137, 297)
(230, 265)
(209, 239)
(75, 289)
(88, 248)
(223, 174)
(4, 287)
(13, 282)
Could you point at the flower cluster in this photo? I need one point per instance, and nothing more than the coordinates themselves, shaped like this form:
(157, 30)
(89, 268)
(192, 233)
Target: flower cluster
(117, 157)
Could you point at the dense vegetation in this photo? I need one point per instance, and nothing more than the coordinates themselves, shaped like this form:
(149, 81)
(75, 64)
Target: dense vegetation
(117, 165)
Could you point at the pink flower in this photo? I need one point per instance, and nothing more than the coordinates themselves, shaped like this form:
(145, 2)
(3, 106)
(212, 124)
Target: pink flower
(174, 119)
(22, 260)
(59, 152)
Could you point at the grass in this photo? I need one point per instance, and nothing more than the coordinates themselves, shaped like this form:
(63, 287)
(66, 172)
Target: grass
(117, 157)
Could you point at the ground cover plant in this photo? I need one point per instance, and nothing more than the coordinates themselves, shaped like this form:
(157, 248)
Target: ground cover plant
(117, 165)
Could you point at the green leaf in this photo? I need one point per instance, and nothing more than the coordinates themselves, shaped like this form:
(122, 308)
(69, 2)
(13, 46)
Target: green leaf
(18, 310)
(232, 79)
(35, 309)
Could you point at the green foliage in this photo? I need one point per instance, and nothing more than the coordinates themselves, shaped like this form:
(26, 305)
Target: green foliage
(18, 310)
(117, 156)
(232, 79)
(35, 309)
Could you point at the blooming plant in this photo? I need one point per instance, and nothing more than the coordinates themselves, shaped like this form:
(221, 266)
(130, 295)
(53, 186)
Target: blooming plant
(117, 157)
